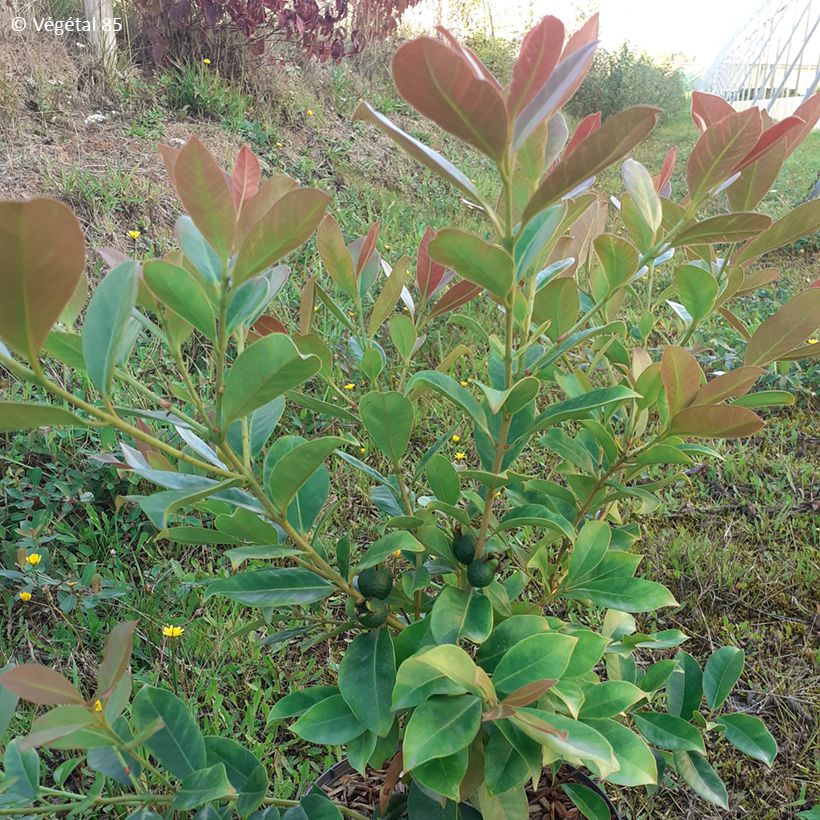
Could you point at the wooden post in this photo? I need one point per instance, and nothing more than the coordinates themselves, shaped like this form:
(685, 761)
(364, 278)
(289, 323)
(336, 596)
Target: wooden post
(102, 36)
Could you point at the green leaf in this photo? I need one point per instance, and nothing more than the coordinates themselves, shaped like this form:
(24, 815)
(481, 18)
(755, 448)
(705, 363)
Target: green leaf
(721, 673)
(749, 734)
(637, 766)
(336, 257)
(440, 727)
(200, 787)
(105, 319)
(443, 775)
(389, 296)
(329, 721)
(669, 732)
(289, 223)
(289, 586)
(684, 691)
(696, 772)
(387, 545)
(257, 552)
(697, 289)
(455, 664)
(451, 390)
(618, 258)
(367, 675)
(416, 681)
(246, 774)
(626, 594)
(800, 221)
(444, 480)
(264, 371)
(459, 613)
(587, 801)
(483, 264)
(589, 549)
(178, 745)
(180, 291)
(506, 635)
(295, 467)
(22, 771)
(37, 277)
(8, 703)
(609, 698)
(544, 656)
(641, 187)
(403, 335)
(580, 407)
(299, 701)
(316, 806)
(766, 398)
(505, 767)
(22, 416)
(388, 418)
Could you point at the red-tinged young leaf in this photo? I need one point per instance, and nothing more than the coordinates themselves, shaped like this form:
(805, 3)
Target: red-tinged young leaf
(756, 179)
(681, 376)
(802, 221)
(481, 71)
(757, 279)
(787, 329)
(367, 248)
(486, 265)
(336, 257)
(169, 159)
(204, 191)
(441, 84)
(39, 684)
(116, 658)
(418, 150)
(429, 273)
(735, 322)
(585, 36)
(528, 693)
(720, 148)
(42, 255)
(664, 178)
(245, 178)
(264, 326)
(768, 139)
(287, 225)
(306, 304)
(271, 191)
(458, 295)
(708, 109)
(553, 94)
(715, 421)
(729, 385)
(610, 143)
(587, 126)
(537, 57)
(809, 112)
(724, 228)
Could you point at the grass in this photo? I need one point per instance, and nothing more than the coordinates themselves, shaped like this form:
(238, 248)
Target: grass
(737, 543)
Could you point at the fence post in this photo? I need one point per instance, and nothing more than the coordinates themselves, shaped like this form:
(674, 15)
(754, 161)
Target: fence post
(103, 38)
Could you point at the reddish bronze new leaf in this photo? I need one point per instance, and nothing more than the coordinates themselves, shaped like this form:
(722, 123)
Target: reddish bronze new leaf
(246, 177)
(458, 295)
(429, 273)
(756, 179)
(39, 684)
(538, 56)
(440, 84)
(729, 385)
(716, 421)
(204, 191)
(723, 228)
(809, 112)
(768, 139)
(116, 658)
(802, 221)
(612, 141)
(681, 376)
(367, 248)
(788, 328)
(707, 109)
(42, 255)
(663, 179)
(587, 126)
(718, 151)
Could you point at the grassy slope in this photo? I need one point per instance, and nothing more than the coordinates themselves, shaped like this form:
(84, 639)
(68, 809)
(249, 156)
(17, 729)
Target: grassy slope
(738, 544)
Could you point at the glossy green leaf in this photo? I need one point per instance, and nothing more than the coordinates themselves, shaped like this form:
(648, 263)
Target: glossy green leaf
(587, 801)
(439, 727)
(200, 787)
(246, 774)
(637, 766)
(290, 472)
(299, 701)
(697, 289)
(721, 673)
(443, 775)
(459, 613)
(801, 221)
(389, 296)
(451, 390)
(388, 418)
(749, 734)
(272, 587)
(37, 278)
(105, 319)
(625, 594)
(684, 691)
(328, 721)
(264, 371)
(21, 770)
(443, 479)
(544, 656)
(24, 416)
(367, 675)
(669, 732)
(641, 187)
(178, 745)
(589, 549)
(506, 635)
(618, 258)
(580, 407)
(695, 770)
(180, 291)
(474, 259)
(609, 698)
(385, 546)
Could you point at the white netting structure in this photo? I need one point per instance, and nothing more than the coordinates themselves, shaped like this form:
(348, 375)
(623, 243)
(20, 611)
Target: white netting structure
(772, 60)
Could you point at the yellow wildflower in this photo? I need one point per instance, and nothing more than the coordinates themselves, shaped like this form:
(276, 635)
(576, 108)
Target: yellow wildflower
(387, 246)
(465, 382)
(98, 705)
(461, 456)
(34, 558)
(456, 438)
(309, 112)
(206, 61)
(135, 235)
(25, 596)
(350, 386)
(812, 341)
(171, 631)
(397, 553)
(362, 450)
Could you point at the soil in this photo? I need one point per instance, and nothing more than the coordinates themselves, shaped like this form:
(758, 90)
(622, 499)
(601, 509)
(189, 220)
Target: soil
(548, 802)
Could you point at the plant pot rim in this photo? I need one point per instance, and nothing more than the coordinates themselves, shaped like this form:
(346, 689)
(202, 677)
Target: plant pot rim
(343, 767)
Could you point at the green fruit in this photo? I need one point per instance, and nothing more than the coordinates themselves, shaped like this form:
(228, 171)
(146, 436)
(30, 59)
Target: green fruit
(481, 573)
(375, 582)
(464, 547)
(373, 613)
